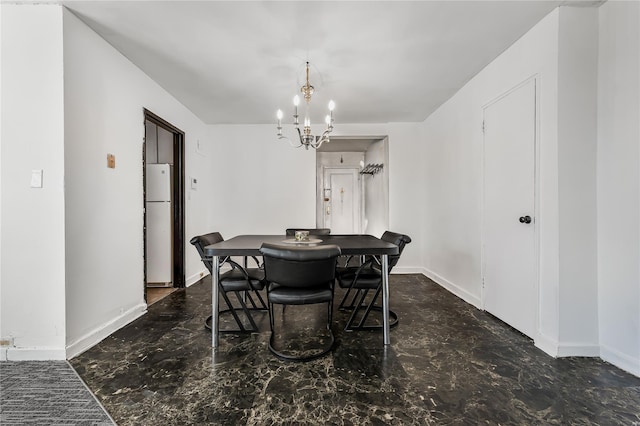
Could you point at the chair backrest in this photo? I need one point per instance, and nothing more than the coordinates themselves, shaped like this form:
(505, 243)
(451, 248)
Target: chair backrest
(312, 231)
(201, 241)
(400, 240)
(300, 266)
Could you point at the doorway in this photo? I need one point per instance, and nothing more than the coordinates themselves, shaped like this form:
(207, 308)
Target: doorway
(163, 185)
(352, 185)
(509, 224)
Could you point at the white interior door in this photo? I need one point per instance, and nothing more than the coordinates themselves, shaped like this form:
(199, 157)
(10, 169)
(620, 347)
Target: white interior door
(509, 253)
(342, 201)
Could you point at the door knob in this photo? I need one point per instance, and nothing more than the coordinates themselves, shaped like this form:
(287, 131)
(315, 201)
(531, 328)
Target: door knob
(525, 219)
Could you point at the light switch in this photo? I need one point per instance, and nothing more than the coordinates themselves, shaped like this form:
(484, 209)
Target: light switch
(194, 183)
(36, 178)
(111, 161)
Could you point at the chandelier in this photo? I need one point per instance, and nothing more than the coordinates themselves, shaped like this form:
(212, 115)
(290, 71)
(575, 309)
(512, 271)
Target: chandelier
(306, 139)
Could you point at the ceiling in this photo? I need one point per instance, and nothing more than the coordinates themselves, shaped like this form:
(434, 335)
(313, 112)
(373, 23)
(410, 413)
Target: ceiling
(237, 62)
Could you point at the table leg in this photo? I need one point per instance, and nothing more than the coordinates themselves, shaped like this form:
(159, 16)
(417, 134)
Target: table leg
(385, 300)
(215, 276)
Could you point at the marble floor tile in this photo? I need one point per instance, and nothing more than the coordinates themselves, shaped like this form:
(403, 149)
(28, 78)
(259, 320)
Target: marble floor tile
(448, 363)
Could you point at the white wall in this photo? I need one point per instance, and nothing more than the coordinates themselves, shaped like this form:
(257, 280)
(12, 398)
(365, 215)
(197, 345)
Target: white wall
(577, 135)
(376, 189)
(260, 184)
(581, 235)
(406, 170)
(33, 226)
(619, 184)
(406, 177)
(453, 182)
(265, 185)
(104, 99)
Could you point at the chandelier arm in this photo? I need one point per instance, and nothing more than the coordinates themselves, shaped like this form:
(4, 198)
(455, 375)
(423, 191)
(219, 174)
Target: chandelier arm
(299, 135)
(280, 137)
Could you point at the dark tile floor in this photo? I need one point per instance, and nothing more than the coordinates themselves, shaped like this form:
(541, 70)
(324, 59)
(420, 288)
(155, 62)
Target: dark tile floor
(449, 363)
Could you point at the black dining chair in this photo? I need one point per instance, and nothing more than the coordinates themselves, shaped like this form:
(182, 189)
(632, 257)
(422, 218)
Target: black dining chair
(245, 283)
(300, 276)
(365, 278)
(290, 232)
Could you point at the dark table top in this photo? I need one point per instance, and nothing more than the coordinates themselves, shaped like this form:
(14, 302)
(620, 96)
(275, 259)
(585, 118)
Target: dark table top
(249, 245)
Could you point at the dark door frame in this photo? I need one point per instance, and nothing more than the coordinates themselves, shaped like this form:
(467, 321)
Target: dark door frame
(178, 197)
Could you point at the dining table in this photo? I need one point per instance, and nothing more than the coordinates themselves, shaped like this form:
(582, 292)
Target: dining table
(350, 244)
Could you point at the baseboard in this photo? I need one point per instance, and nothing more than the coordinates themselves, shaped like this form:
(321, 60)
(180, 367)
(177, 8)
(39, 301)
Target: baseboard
(97, 335)
(34, 354)
(196, 277)
(461, 293)
(546, 345)
(407, 270)
(578, 349)
(620, 360)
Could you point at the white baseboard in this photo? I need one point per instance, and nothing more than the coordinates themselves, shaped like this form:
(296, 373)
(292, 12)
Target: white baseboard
(546, 345)
(407, 270)
(620, 360)
(97, 335)
(196, 277)
(565, 349)
(35, 354)
(461, 293)
(578, 349)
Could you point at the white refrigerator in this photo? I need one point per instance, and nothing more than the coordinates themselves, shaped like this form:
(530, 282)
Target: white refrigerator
(159, 225)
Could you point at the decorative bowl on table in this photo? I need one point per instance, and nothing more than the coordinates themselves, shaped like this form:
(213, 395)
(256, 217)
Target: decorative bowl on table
(301, 235)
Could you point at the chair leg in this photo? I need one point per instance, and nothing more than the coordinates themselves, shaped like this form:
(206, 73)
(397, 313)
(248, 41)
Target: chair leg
(263, 306)
(233, 310)
(343, 305)
(356, 308)
(371, 306)
(245, 309)
(326, 349)
(344, 299)
(271, 322)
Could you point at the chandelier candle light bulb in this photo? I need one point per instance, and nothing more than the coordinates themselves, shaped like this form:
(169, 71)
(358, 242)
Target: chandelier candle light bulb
(305, 137)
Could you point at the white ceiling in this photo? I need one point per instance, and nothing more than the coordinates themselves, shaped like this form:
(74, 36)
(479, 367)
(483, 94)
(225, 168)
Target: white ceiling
(237, 62)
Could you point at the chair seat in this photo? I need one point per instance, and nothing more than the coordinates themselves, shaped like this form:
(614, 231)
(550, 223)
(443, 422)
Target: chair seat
(368, 278)
(299, 296)
(254, 273)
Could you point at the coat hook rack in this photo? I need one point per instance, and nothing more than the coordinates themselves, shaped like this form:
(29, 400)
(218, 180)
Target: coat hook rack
(371, 169)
